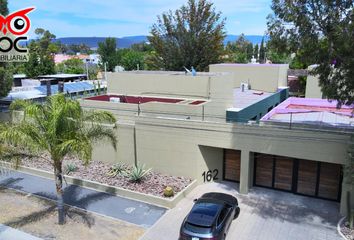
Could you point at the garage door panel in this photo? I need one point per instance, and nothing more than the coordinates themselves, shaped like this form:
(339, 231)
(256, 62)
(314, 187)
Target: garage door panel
(232, 165)
(307, 177)
(330, 175)
(264, 170)
(283, 173)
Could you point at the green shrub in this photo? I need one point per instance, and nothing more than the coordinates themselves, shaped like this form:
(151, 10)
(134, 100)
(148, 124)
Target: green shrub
(69, 168)
(118, 168)
(138, 173)
(168, 192)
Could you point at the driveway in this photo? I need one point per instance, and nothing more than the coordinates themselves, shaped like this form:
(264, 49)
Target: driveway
(265, 214)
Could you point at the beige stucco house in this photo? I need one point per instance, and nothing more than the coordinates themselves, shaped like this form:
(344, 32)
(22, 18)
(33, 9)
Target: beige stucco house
(209, 127)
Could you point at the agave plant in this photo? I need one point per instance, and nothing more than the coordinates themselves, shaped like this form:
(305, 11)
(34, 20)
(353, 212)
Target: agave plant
(138, 173)
(70, 167)
(118, 168)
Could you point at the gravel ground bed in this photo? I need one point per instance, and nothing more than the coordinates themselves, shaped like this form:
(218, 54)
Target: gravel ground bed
(153, 183)
(347, 232)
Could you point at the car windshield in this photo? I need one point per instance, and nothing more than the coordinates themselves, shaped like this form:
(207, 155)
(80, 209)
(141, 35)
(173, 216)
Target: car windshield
(204, 214)
(198, 229)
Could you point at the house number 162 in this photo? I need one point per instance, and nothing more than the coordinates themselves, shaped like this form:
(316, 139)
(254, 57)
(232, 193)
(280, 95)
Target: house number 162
(210, 175)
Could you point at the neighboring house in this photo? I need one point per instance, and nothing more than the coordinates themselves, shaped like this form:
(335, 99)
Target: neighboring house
(61, 77)
(313, 90)
(95, 58)
(92, 58)
(262, 77)
(18, 79)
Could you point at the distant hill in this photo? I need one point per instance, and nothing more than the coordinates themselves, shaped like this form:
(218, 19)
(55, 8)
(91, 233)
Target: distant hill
(126, 42)
(92, 42)
(254, 39)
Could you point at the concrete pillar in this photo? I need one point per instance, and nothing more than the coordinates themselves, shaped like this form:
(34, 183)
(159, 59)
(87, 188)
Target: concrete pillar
(245, 172)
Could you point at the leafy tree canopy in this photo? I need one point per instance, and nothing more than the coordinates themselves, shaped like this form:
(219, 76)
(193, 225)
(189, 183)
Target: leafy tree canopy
(241, 51)
(4, 10)
(5, 73)
(107, 51)
(72, 66)
(190, 36)
(41, 54)
(5, 81)
(132, 60)
(319, 32)
(59, 128)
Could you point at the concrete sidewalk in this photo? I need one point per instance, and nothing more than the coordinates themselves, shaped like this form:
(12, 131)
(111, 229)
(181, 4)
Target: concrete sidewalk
(128, 210)
(8, 233)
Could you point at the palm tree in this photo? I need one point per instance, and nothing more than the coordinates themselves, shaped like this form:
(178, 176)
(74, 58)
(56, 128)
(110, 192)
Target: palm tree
(58, 128)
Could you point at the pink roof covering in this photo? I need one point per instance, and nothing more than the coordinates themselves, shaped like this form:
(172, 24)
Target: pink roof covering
(308, 105)
(59, 58)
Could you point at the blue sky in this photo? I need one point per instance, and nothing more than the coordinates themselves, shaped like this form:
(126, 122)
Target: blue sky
(118, 18)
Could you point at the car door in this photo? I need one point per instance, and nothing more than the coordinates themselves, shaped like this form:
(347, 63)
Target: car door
(223, 221)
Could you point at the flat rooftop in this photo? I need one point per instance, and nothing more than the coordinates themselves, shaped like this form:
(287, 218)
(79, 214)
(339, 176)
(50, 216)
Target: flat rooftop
(19, 76)
(63, 76)
(176, 73)
(34, 92)
(132, 99)
(243, 99)
(311, 111)
(249, 64)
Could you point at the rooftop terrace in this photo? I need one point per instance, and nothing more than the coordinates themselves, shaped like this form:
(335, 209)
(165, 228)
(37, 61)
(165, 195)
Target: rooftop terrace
(246, 98)
(132, 99)
(311, 111)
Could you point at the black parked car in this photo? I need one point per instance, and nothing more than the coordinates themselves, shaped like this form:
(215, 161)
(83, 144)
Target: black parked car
(210, 217)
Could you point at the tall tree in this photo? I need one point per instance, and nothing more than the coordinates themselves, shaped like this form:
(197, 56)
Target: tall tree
(256, 51)
(41, 54)
(108, 52)
(249, 51)
(262, 52)
(239, 49)
(191, 36)
(5, 81)
(58, 128)
(323, 33)
(4, 10)
(6, 78)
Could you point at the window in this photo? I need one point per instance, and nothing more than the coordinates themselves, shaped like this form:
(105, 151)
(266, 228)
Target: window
(222, 215)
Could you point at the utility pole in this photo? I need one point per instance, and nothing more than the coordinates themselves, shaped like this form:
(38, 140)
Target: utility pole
(87, 72)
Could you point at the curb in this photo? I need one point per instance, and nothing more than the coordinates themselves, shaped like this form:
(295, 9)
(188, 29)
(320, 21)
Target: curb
(117, 191)
(338, 228)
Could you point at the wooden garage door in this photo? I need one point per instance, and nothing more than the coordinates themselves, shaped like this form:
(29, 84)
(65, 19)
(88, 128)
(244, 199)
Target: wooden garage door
(232, 164)
(329, 181)
(307, 177)
(264, 170)
(311, 178)
(283, 178)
